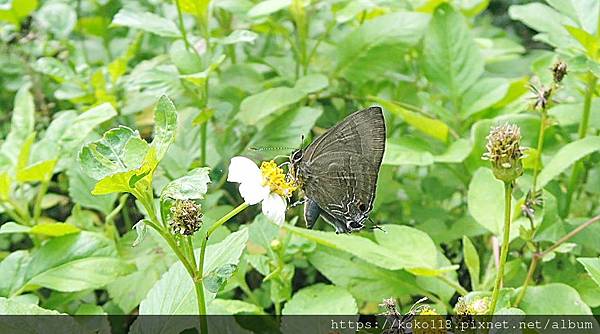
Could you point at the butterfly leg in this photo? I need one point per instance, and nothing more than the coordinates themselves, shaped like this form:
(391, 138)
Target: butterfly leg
(311, 212)
(300, 202)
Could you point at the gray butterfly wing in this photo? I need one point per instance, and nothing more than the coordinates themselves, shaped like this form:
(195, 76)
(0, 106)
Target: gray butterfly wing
(340, 168)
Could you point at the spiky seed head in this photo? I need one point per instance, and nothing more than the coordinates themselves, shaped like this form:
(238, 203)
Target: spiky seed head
(504, 151)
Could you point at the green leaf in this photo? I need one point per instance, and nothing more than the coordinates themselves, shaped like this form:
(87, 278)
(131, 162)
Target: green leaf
(287, 129)
(80, 188)
(57, 18)
(232, 306)
(553, 299)
(471, 261)
(120, 150)
(140, 230)
(146, 21)
(41, 171)
(268, 7)
(12, 227)
(362, 247)
(484, 94)
(351, 10)
(75, 262)
(584, 12)
(89, 273)
(485, 200)
(186, 60)
(258, 106)
(543, 19)
(21, 318)
(11, 307)
(174, 292)
(215, 280)
(54, 229)
(12, 271)
(457, 152)
(239, 36)
(453, 61)
(82, 125)
(5, 184)
(151, 258)
(129, 181)
(415, 247)
(364, 280)
(312, 83)
(592, 266)
(165, 125)
(55, 69)
(365, 52)
(566, 156)
(21, 125)
(321, 299)
(16, 10)
(432, 127)
(192, 186)
(398, 154)
(589, 42)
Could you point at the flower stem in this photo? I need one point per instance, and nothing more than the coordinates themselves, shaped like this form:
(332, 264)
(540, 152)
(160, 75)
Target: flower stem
(583, 128)
(505, 241)
(198, 277)
(537, 256)
(540, 147)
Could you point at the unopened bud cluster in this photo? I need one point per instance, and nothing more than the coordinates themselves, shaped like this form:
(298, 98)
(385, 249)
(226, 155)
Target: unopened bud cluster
(477, 306)
(504, 151)
(559, 70)
(186, 217)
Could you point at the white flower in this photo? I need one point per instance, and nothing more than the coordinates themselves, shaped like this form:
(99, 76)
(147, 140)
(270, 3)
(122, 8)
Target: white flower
(266, 184)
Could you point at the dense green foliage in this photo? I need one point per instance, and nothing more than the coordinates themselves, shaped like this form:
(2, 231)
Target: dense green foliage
(119, 116)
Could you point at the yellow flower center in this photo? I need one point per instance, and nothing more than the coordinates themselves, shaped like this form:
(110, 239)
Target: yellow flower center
(276, 179)
(428, 311)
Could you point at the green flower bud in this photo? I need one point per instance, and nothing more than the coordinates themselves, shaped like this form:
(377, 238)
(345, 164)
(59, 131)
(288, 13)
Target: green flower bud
(275, 245)
(186, 217)
(504, 151)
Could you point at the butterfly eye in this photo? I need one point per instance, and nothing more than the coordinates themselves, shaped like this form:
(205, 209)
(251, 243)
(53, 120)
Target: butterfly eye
(362, 207)
(356, 225)
(296, 156)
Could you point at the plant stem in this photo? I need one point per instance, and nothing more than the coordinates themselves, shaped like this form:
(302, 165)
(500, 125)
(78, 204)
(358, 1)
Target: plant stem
(199, 287)
(110, 218)
(37, 207)
(13, 215)
(540, 147)
(583, 127)
(505, 241)
(587, 105)
(203, 143)
(181, 25)
(198, 277)
(538, 256)
(455, 285)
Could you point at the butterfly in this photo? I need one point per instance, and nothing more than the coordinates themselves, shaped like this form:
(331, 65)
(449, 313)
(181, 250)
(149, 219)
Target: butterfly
(338, 171)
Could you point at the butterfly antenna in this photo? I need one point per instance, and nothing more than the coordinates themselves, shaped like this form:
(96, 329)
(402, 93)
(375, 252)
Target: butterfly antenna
(271, 148)
(376, 226)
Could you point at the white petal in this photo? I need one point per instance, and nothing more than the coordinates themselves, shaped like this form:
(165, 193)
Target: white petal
(243, 170)
(274, 208)
(253, 192)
